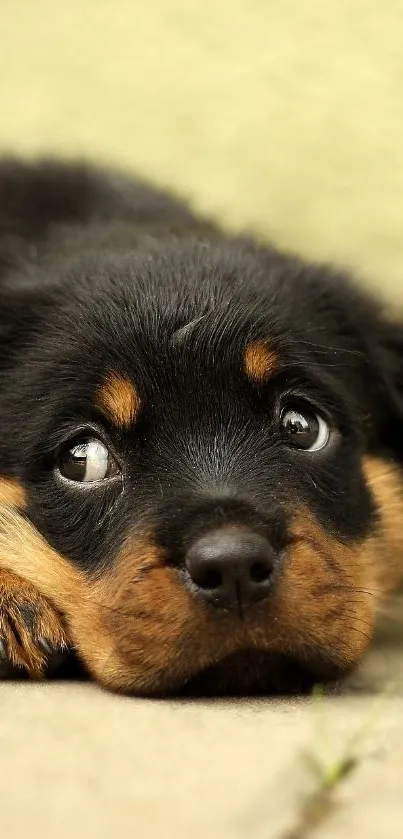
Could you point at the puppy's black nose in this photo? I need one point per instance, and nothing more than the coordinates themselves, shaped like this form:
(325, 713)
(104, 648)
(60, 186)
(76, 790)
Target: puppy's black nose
(232, 569)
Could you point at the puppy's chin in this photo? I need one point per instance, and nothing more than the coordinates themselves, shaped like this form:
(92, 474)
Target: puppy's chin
(255, 673)
(252, 672)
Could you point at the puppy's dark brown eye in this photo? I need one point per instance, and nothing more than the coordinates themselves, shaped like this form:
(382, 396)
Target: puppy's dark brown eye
(87, 460)
(304, 429)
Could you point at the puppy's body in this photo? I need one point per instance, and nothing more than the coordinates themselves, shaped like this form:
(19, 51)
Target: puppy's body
(200, 449)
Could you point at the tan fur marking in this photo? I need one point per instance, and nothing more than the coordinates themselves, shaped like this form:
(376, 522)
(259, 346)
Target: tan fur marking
(163, 634)
(386, 483)
(118, 399)
(344, 587)
(328, 594)
(11, 492)
(260, 362)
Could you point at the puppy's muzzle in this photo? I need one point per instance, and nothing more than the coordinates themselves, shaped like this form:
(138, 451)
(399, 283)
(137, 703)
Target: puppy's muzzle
(231, 569)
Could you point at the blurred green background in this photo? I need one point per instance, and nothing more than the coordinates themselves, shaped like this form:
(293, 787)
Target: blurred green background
(284, 117)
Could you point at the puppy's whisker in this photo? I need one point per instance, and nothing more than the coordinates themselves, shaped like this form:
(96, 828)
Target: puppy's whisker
(130, 613)
(110, 510)
(328, 348)
(359, 632)
(356, 615)
(356, 590)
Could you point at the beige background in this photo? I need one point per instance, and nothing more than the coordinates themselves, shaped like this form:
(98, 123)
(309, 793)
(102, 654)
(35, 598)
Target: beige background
(284, 116)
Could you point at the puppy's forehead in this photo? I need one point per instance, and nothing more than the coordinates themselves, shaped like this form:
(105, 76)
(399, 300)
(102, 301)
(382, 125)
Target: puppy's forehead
(201, 355)
(118, 396)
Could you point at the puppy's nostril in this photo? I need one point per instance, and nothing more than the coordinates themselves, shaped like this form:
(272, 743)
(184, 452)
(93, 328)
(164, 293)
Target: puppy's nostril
(209, 579)
(259, 572)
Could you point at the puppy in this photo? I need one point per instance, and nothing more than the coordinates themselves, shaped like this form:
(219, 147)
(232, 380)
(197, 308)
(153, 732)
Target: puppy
(201, 454)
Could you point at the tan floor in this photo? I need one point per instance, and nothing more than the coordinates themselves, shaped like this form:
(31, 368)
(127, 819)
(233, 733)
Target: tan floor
(75, 761)
(286, 117)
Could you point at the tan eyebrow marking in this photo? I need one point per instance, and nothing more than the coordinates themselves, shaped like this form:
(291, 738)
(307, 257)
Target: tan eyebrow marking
(260, 361)
(118, 399)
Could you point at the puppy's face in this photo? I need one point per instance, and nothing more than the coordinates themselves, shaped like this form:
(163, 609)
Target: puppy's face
(207, 498)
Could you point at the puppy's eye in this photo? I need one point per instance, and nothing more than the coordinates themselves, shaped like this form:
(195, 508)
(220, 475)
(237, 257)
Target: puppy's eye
(304, 429)
(87, 460)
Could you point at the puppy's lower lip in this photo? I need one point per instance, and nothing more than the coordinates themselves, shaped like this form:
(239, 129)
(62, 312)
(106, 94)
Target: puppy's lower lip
(249, 671)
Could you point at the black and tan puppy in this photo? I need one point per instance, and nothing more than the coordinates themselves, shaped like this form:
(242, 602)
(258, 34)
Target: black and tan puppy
(201, 453)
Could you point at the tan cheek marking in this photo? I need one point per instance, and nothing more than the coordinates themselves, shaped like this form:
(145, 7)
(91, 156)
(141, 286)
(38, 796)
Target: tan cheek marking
(118, 399)
(125, 626)
(150, 611)
(11, 492)
(327, 597)
(363, 575)
(260, 362)
(385, 481)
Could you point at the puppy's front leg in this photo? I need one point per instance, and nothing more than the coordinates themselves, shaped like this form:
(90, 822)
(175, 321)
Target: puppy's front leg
(32, 636)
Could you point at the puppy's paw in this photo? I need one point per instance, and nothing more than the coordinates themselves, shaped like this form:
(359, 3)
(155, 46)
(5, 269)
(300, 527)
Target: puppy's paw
(32, 637)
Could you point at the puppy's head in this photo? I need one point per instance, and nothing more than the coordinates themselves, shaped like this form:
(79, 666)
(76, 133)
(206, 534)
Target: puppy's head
(208, 445)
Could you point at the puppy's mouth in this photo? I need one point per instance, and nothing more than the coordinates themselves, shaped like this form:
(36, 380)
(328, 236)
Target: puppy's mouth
(254, 672)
